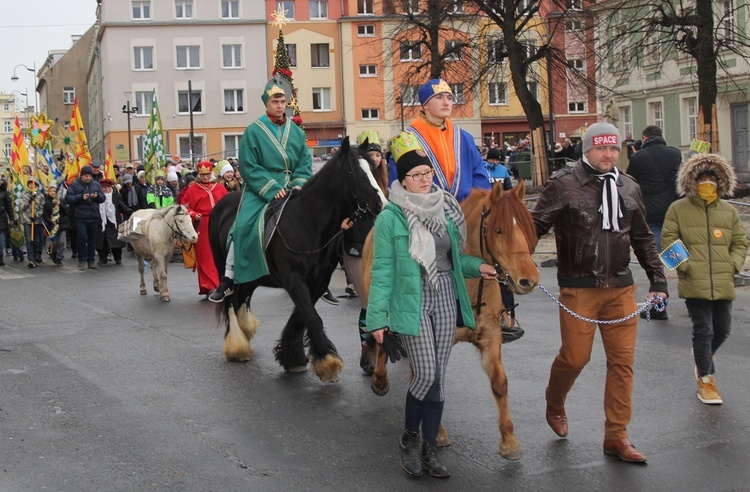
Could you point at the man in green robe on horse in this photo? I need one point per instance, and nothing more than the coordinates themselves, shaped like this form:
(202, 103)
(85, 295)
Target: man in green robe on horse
(273, 159)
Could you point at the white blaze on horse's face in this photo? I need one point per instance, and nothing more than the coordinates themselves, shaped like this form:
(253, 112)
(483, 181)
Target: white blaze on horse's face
(365, 165)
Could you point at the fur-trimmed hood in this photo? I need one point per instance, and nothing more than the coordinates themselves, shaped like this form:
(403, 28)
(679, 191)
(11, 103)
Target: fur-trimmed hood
(690, 170)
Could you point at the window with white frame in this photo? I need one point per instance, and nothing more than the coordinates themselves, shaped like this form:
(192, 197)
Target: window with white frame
(321, 98)
(232, 145)
(233, 102)
(230, 9)
(318, 9)
(183, 103)
(576, 64)
(365, 7)
(656, 113)
(458, 93)
(231, 56)
(319, 55)
(576, 107)
(291, 50)
(8, 149)
(143, 58)
(365, 30)
(498, 93)
(411, 7)
(495, 49)
(183, 9)
(144, 101)
(573, 25)
(69, 95)
(6, 107)
(651, 48)
(574, 4)
(7, 126)
(287, 5)
(184, 144)
(371, 114)
(626, 120)
(188, 57)
(691, 112)
(727, 21)
(411, 51)
(529, 47)
(524, 6)
(457, 7)
(453, 50)
(141, 9)
(622, 55)
(410, 95)
(368, 70)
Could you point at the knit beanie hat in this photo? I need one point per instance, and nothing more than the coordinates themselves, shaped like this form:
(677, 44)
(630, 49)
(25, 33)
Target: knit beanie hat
(601, 135)
(87, 170)
(225, 169)
(141, 174)
(172, 176)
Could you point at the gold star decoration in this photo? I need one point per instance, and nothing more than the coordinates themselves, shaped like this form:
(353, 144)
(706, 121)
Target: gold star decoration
(65, 139)
(279, 16)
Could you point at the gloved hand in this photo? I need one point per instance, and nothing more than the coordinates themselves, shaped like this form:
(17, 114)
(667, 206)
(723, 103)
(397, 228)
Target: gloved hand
(392, 347)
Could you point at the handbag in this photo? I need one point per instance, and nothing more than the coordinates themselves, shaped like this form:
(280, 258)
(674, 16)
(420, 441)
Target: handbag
(188, 255)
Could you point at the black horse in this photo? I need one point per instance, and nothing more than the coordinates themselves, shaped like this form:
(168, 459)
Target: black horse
(302, 255)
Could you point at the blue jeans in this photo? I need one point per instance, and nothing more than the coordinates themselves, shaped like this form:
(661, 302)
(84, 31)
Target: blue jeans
(86, 232)
(35, 242)
(58, 243)
(656, 229)
(712, 322)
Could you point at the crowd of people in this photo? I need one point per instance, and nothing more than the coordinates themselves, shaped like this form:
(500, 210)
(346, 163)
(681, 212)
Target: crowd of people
(427, 171)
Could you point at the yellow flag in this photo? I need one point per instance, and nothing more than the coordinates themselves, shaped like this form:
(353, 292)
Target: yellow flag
(19, 154)
(82, 156)
(109, 167)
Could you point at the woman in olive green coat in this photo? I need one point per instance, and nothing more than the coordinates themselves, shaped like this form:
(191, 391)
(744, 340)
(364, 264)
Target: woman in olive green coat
(712, 232)
(417, 291)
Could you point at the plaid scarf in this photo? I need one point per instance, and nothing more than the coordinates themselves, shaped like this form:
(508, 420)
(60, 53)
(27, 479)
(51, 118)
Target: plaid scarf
(610, 208)
(426, 215)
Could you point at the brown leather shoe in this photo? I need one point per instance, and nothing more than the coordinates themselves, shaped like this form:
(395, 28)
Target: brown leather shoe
(557, 420)
(623, 449)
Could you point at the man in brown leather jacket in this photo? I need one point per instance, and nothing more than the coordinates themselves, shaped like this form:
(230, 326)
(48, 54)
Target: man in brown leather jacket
(598, 215)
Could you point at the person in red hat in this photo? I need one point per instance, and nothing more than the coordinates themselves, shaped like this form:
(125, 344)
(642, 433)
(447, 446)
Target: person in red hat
(200, 199)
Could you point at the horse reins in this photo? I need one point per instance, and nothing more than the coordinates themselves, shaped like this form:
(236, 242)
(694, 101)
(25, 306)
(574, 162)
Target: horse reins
(175, 233)
(501, 275)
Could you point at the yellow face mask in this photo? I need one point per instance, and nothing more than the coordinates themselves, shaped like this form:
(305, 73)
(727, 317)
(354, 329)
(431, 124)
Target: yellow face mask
(707, 190)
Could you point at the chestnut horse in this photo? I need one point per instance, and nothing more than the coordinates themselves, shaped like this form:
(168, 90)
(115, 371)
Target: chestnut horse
(500, 231)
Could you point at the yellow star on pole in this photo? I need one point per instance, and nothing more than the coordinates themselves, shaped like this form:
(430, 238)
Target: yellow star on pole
(279, 16)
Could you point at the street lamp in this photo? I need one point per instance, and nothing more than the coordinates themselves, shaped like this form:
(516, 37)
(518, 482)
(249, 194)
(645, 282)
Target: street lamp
(126, 109)
(14, 78)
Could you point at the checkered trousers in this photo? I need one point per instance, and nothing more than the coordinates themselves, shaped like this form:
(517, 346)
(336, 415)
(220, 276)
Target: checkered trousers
(429, 351)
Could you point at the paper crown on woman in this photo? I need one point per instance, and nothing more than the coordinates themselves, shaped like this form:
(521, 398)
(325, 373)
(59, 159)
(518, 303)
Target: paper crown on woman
(408, 154)
(276, 85)
(403, 143)
(373, 140)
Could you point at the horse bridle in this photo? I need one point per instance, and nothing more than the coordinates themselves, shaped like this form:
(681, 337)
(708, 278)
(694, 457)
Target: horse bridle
(501, 275)
(175, 233)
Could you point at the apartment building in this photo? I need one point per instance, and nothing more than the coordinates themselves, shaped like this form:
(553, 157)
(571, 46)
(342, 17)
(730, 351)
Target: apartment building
(8, 115)
(208, 53)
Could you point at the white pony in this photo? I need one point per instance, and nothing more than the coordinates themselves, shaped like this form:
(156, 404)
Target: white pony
(160, 229)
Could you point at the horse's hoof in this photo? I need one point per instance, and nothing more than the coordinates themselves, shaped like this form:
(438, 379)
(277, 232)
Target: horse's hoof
(512, 453)
(328, 368)
(296, 369)
(165, 298)
(380, 386)
(239, 356)
(144, 292)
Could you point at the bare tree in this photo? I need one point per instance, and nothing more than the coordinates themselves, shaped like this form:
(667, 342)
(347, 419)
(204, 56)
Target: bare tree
(699, 30)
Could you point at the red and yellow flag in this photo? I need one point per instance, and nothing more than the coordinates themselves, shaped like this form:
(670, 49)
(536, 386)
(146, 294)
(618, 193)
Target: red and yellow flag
(109, 167)
(19, 154)
(82, 156)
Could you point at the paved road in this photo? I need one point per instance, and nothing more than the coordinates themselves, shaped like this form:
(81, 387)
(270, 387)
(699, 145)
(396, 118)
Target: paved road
(103, 389)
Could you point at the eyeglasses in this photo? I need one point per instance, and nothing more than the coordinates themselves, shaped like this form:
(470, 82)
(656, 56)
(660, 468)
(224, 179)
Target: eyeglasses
(420, 176)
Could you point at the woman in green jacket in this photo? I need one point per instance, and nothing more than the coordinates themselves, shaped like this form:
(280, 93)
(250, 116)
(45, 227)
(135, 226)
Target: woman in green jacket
(418, 291)
(712, 232)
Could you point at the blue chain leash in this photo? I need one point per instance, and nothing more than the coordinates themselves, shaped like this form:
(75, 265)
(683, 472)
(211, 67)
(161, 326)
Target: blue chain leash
(656, 302)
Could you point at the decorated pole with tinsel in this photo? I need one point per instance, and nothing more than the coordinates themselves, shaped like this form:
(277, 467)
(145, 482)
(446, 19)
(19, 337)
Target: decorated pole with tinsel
(282, 64)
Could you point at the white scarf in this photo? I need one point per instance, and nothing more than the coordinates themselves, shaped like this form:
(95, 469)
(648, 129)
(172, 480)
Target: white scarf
(107, 210)
(425, 216)
(610, 208)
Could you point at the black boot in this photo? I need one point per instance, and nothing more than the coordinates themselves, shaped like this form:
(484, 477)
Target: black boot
(431, 463)
(410, 461)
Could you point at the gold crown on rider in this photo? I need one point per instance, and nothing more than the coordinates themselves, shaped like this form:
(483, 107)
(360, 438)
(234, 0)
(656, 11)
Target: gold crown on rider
(403, 143)
(205, 167)
(441, 87)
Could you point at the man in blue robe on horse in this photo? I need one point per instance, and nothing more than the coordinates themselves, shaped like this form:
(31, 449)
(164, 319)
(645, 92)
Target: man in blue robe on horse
(274, 160)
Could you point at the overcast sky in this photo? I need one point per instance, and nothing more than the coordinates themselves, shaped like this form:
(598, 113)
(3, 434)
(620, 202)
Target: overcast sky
(30, 28)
